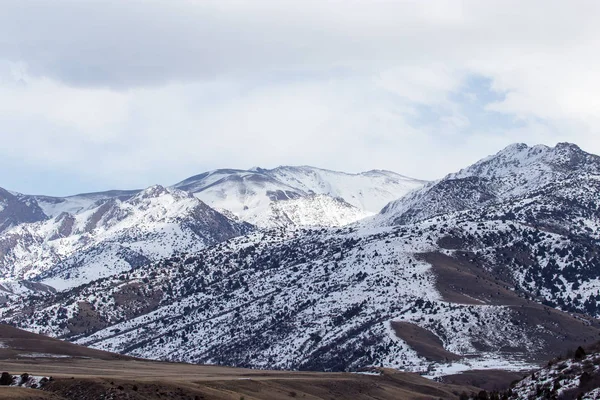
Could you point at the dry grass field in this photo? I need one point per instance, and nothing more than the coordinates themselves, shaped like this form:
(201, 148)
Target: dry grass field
(83, 374)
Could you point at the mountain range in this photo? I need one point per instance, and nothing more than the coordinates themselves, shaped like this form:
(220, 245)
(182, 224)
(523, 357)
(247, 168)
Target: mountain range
(492, 267)
(64, 242)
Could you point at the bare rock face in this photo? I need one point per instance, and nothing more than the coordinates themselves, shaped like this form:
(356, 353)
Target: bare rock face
(18, 209)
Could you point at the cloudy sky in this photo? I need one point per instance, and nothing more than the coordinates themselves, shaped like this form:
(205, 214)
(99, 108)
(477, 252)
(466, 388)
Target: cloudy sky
(123, 94)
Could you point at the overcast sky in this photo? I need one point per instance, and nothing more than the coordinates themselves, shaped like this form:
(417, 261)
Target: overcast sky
(97, 95)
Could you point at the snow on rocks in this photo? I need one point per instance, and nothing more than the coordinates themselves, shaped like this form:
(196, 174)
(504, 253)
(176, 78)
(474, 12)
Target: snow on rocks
(24, 380)
(563, 378)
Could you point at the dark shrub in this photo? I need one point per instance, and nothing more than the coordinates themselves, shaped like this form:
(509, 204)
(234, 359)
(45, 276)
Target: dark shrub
(584, 379)
(6, 379)
(24, 379)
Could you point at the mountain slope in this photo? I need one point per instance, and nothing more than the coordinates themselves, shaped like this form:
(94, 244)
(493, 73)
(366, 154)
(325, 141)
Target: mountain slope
(85, 374)
(16, 209)
(111, 236)
(368, 191)
(316, 210)
(319, 299)
(54, 206)
(512, 173)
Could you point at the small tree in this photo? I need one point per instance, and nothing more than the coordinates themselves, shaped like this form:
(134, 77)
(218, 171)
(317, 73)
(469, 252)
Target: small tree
(579, 353)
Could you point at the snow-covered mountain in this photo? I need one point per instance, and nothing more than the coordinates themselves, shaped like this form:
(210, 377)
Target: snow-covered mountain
(54, 206)
(72, 240)
(316, 210)
(109, 235)
(318, 299)
(512, 173)
(495, 266)
(553, 192)
(253, 195)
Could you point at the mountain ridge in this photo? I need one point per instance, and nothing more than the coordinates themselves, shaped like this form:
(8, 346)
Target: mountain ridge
(112, 235)
(244, 191)
(73, 236)
(511, 172)
(52, 206)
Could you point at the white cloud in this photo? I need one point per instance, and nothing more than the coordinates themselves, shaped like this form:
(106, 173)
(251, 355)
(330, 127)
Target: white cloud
(421, 84)
(135, 92)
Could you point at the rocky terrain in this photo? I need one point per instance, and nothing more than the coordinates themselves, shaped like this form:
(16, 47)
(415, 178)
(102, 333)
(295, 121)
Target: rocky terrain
(575, 375)
(16, 209)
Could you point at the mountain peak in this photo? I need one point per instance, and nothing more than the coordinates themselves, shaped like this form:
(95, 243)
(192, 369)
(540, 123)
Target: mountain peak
(513, 172)
(153, 191)
(159, 191)
(568, 146)
(539, 161)
(257, 169)
(514, 147)
(536, 149)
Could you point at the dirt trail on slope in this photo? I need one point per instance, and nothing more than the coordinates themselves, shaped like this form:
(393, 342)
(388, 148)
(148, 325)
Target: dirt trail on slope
(423, 342)
(17, 343)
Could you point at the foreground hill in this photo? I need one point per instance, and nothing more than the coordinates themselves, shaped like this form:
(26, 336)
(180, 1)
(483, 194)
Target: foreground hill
(83, 374)
(20, 344)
